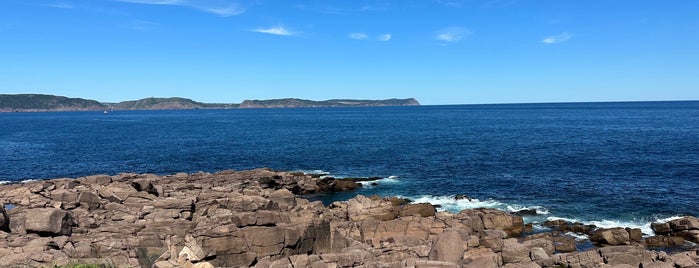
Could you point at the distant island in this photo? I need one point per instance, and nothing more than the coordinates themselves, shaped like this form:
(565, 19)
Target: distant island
(50, 103)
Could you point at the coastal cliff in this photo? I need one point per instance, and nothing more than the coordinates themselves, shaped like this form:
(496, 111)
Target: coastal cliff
(299, 103)
(40, 103)
(260, 218)
(51, 103)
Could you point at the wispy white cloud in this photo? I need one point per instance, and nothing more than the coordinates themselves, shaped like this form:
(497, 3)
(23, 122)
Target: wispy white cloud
(451, 3)
(61, 5)
(337, 10)
(499, 3)
(358, 36)
(556, 39)
(384, 37)
(277, 30)
(224, 8)
(452, 34)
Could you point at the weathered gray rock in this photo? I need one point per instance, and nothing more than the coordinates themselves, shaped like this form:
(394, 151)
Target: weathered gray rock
(48, 221)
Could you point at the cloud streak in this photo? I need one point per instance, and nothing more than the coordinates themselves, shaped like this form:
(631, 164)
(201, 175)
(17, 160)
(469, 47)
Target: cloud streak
(278, 30)
(452, 34)
(61, 5)
(358, 36)
(223, 8)
(557, 39)
(384, 37)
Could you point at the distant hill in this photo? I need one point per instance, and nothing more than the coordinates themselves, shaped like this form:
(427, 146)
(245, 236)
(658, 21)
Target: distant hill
(173, 103)
(39, 102)
(299, 103)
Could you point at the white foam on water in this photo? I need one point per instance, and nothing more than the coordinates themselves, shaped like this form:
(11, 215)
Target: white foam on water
(604, 223)
(577, 236)
(448, 203)
(387, 180)
(29, 180)
(668, 219)
(539, 209)
(4, 182)
(313, 171)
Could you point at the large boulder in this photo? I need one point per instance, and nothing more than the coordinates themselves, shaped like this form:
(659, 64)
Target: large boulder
(422, 209)
(684, 224)
(661, 228)
(612, 236)
(48, 222)
(448, 247)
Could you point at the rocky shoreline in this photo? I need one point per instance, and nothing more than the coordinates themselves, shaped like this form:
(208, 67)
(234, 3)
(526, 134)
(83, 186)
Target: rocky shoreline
(257, 218)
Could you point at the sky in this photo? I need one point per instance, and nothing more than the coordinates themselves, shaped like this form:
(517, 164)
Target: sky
(437, 51)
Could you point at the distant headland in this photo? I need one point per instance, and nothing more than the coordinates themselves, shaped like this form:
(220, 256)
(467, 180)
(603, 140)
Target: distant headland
(50, 103)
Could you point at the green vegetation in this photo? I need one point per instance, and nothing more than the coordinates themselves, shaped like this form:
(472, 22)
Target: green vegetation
(38, 102)
(299, 103)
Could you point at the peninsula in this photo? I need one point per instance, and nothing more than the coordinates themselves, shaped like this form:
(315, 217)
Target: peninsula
(51, 103)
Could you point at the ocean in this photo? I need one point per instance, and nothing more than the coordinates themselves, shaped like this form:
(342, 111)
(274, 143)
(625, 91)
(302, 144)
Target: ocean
(609, 164)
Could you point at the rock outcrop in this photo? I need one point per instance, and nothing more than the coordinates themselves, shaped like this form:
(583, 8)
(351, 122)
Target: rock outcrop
(256, 218)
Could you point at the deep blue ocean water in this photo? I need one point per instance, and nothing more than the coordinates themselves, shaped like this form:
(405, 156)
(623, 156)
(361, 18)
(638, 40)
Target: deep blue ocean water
(606, 163)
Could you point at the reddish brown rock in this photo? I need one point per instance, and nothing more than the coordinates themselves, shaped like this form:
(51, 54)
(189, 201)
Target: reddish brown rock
(254, 218)
(48, 221)
(611, 236)
(448, 247)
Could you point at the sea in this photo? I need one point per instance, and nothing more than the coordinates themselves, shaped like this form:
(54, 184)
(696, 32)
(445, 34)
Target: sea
(610, 164)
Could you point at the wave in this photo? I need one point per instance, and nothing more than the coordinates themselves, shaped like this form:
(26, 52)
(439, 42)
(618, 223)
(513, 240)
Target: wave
(539, 209)
(389, 179)
(451, 204)
(313, 171)
(23, 181)
(644, 225)
(577, 236)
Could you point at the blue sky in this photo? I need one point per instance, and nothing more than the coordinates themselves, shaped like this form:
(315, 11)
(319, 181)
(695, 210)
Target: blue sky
(438, 51)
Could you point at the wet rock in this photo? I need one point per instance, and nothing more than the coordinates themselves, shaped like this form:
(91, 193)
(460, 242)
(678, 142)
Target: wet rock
(661, 228)
(462, 197)
(635, 234)
(525, 212)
